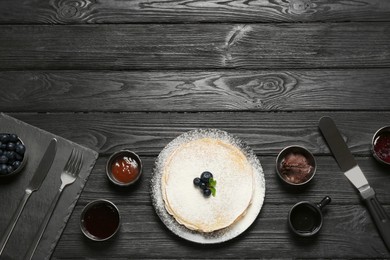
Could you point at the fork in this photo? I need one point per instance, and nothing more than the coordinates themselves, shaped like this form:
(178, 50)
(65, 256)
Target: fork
(68, 176)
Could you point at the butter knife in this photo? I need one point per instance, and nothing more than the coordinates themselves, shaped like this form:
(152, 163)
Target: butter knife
(34, 185)
(355, 175)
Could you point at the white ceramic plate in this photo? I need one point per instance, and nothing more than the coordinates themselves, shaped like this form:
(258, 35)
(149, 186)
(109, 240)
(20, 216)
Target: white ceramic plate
(220, 235)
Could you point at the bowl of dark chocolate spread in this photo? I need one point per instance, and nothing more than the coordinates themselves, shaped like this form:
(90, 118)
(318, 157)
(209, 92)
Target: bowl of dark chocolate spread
(295, 165)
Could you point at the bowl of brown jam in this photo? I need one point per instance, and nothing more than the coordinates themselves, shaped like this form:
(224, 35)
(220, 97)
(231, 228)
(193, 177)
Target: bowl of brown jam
(124, 168)
(295, 165)
(100, 220)
(380, 145)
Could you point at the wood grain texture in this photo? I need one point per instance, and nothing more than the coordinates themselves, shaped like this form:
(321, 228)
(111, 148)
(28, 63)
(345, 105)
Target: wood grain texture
(265, 133)
(329, 180)
(143, 11)
(116, 74)
(292, 90)
(186, 46)
(269, 236)
(142, 235)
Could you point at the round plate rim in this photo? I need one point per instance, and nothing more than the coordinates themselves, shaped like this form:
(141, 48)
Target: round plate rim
(221, 235)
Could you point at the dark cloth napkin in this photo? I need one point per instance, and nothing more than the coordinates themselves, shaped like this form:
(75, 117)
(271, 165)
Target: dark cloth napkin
(12, 190)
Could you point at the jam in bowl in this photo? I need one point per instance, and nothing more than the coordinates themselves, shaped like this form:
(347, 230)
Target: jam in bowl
(124, 168)
(100, 220)
(380, 145)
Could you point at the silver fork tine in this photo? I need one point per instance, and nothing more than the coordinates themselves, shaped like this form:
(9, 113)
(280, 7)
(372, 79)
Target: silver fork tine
(70, 161)
(79, 164)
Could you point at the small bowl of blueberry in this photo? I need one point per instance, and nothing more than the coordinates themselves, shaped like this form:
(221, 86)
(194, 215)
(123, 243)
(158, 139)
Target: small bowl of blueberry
(12, 155)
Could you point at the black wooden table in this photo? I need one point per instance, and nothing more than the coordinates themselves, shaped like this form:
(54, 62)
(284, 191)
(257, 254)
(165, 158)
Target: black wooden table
(136, 74)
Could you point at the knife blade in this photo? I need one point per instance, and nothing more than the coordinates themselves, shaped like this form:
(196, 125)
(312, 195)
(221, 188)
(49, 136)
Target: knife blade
(355, 175)
(43, 167)
(34, 185)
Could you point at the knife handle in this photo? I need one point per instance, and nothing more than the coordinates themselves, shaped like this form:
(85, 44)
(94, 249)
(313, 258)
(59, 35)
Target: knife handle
(14, 220)
(33, 247)
(379, 215)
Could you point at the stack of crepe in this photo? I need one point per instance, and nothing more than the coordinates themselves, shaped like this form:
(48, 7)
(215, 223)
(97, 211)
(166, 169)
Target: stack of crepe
(234, 189)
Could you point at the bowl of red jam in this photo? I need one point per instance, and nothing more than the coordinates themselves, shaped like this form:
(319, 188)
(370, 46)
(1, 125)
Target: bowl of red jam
(124, 168)
(100, 220)
(381, 145)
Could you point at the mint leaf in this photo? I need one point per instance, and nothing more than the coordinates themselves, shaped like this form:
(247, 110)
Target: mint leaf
(213, 191)
(212, 182)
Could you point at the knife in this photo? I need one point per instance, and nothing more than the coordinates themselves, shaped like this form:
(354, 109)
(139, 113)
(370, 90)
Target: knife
(355, 175)
(34, 185)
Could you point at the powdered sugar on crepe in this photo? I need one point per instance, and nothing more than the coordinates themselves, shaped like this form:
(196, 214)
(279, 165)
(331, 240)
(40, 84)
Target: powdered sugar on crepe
(224, 234)
(234, 190)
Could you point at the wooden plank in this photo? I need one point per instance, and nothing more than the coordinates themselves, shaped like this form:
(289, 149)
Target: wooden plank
(328, 181)
(268, 237)
(83, 91)
(265, 133)
(143, 11)
(186, 46)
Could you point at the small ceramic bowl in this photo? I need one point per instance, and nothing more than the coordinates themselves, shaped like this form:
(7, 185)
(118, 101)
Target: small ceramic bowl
(380, 145)
(124, 168)
(100, 220)
(15, 153)
(305, 218)
(295, 165)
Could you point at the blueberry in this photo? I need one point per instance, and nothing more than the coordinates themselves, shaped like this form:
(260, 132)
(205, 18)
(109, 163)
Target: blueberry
(11, 146)
(20, 149)
(197, 181)
(18, 142)
(11, 158)
(203, 185)
(4, 138)
(3, 168)
(1, 152)
(13, 138)
(16, 164)
(10, 155)
(205, 176)
(10, 169)
(3, 146)
(207, 192)
(3, 159)
(18, 157)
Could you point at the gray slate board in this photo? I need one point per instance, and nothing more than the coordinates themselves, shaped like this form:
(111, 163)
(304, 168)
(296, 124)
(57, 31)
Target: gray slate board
(12, 190)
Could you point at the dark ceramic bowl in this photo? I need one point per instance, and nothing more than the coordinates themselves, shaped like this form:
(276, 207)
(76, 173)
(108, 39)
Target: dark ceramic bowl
(305, 218)
(133, 157)
(20, 167)
(300, 178)
(100, 220)
(382, 132)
